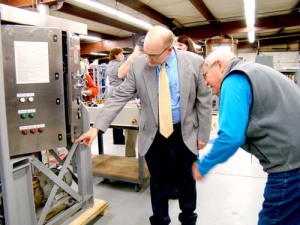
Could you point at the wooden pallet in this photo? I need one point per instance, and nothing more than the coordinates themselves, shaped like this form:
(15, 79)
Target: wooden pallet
(99, 208)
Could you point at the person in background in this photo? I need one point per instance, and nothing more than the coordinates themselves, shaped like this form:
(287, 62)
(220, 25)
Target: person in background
(116, 71)
(130, 135)
(190, 112)
(259, 111)
(124, 68)
(116, 58)
(185, 43)
(90, 90)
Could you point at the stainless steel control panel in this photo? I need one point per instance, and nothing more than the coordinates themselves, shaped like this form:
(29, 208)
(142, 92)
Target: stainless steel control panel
(34, 88)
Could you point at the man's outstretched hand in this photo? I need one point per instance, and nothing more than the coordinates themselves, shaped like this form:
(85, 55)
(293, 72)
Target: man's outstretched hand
(88, 137)
(195, 171)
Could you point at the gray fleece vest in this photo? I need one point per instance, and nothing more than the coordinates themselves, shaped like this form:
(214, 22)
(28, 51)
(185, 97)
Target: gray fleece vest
(273, 132)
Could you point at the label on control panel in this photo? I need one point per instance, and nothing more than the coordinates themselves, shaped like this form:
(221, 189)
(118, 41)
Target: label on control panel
(32, 127)
(21, 111)
(27, 56)
(22, 95)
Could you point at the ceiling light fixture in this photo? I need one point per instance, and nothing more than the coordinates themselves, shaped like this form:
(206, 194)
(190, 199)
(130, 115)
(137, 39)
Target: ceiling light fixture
(89, 38)
(117, 13)
(98, 53)
(251, 35)
(249, 7)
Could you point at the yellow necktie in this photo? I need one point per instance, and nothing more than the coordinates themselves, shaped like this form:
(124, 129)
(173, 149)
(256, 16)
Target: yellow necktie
(164, 101)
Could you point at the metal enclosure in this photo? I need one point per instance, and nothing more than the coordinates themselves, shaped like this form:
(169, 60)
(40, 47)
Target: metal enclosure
(34, 92)
(41, 110)
(73, 81)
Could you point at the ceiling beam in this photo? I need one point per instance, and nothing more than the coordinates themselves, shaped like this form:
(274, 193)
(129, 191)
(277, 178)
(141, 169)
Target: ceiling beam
(202, 8)
(103, 35)
(294, 10)
(18, 3)
(280, 31)
(206, 13)
(87, 14)
(297, 6)
(288, 20)
(271, 40)
(27, 3)
(147, 11)
(210, 30)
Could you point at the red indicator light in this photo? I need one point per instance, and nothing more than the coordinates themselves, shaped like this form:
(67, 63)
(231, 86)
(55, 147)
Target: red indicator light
(41, 130)
(33, 131)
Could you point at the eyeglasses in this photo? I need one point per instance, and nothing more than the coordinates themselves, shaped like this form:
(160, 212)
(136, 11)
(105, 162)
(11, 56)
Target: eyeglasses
(208, 68)
(155, 57)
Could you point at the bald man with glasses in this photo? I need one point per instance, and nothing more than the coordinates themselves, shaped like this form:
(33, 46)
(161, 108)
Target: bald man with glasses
(190, 99)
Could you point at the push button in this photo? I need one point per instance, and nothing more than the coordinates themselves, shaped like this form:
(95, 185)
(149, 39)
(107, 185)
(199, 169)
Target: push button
(41, 130)
(33, 131)
(30, 99)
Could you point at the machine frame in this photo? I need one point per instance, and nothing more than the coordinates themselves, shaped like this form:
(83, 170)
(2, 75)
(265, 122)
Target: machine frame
(16, 172)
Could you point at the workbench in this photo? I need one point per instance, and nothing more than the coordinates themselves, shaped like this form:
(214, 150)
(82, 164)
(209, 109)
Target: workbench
(127, 169)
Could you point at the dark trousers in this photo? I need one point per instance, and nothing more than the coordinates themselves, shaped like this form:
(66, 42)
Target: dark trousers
(173, 194)
(162, 166)
(118, 136)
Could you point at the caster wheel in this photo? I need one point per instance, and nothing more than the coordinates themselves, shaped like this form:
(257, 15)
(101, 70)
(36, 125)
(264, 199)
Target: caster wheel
(138, 187)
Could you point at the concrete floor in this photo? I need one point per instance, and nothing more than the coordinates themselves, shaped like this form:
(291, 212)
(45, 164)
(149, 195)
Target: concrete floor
(231, 194)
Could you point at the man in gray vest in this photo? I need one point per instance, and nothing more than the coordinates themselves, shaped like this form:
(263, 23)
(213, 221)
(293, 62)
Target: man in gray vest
(259, 111)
